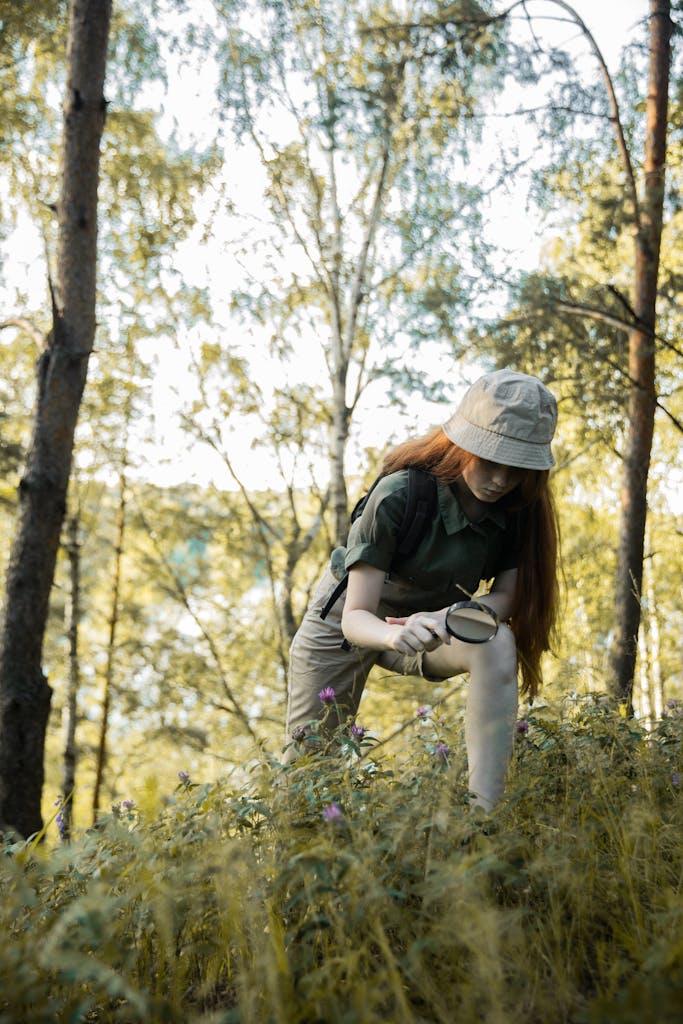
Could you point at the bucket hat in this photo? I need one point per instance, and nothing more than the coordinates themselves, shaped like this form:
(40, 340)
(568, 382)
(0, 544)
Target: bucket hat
(506, 417)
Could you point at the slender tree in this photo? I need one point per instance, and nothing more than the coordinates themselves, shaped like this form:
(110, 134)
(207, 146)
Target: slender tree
(62, 369)
(73, 549)
(642, 402)
(112, 628)
(640, 209)
(575, 319)
(655, 680)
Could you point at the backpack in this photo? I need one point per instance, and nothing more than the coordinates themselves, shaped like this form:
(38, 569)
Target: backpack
(419, 510)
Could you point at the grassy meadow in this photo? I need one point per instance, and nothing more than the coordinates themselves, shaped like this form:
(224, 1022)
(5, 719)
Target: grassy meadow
(360, 888)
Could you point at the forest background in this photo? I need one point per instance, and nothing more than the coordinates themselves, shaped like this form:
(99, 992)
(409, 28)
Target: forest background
(310, 250)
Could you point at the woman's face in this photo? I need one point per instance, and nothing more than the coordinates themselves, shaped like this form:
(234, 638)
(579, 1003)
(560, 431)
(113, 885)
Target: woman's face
(489, 481)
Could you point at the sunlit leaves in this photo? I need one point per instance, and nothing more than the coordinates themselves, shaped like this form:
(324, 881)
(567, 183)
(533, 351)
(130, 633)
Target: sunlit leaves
(148, 192)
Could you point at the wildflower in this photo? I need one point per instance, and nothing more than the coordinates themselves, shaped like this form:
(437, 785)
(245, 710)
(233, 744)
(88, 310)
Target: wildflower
(327, 695)
(332, 812)
(676, 779)
(442, 750)
(671, 704)
(522, 726)
(61, 824)
(299, 734)
(128, 805)
(422, 712)
(184, 777)
(357, 731)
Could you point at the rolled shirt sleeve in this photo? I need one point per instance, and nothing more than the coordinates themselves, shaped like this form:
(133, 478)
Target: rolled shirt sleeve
(372, 538)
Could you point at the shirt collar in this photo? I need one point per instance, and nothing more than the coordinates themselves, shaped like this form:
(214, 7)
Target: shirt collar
(454, 519)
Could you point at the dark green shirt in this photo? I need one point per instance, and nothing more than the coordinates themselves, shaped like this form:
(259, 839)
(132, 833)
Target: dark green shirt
(453, 556)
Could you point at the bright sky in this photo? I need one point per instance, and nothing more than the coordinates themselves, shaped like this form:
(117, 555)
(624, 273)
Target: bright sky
(172, 459)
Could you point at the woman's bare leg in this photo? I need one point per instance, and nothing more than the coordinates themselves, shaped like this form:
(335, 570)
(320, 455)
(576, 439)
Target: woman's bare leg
(491, 707)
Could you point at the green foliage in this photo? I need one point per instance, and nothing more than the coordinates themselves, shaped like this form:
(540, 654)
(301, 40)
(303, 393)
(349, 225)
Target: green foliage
(195, 633)
(31, 33)
(359, 120)
(359, 887)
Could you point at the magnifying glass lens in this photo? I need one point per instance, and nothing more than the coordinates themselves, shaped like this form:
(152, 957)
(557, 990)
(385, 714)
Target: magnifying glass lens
(471, 622)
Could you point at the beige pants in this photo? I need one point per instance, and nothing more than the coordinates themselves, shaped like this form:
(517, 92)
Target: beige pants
(318, 660)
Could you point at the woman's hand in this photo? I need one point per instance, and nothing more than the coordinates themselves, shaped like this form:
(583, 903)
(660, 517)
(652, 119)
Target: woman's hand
(421, 631)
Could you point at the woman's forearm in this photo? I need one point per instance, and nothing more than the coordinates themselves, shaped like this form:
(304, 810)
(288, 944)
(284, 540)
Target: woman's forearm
(364, 629)
(420, 631)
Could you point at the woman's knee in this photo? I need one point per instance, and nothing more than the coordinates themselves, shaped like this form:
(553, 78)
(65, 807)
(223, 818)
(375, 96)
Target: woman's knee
(498, 656)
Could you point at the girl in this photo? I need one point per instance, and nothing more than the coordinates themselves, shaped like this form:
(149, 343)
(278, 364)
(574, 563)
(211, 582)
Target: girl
(494, 522)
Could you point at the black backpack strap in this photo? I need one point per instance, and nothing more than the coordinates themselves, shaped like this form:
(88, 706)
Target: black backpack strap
(336, 593)
(420, 507)
(362, 501)
(419, 510)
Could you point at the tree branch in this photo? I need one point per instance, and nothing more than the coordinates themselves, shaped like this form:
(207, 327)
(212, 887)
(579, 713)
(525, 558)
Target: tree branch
(614, 106)
(181, 592)
(22, 323)
(615, 117)
(594, 313)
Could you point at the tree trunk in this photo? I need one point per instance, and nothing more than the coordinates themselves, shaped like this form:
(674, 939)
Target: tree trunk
(71, 708)
(339, 437)
(642, 397)
(62, 369)
(655, 677)
(644, 664)
(587, 635)
(111, 647)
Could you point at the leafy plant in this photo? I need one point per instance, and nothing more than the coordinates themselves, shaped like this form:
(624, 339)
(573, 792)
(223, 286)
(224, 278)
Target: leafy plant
(356, 885)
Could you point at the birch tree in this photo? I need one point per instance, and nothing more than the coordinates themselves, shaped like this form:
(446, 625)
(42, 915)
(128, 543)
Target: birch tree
(366, 234)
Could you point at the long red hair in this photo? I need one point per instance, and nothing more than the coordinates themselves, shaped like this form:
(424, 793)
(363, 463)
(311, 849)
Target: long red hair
(536, 603)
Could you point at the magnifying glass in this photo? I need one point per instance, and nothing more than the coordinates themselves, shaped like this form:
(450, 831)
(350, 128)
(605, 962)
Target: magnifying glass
(471, 621)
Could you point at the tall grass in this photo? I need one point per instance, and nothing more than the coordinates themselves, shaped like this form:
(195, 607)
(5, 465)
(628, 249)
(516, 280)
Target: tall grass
(351, 890)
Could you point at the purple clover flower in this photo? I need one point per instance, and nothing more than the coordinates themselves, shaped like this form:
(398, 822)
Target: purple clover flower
(357, 731)
(442, 750)
(128, 805)
(422, 712)
(522, 726)
(184, 777)
(61, 824)
(327, 695)
(671, 704)
(332, 812)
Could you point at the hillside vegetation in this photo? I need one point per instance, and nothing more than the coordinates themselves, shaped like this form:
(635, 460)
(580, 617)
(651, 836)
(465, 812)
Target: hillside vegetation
(360, 888)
